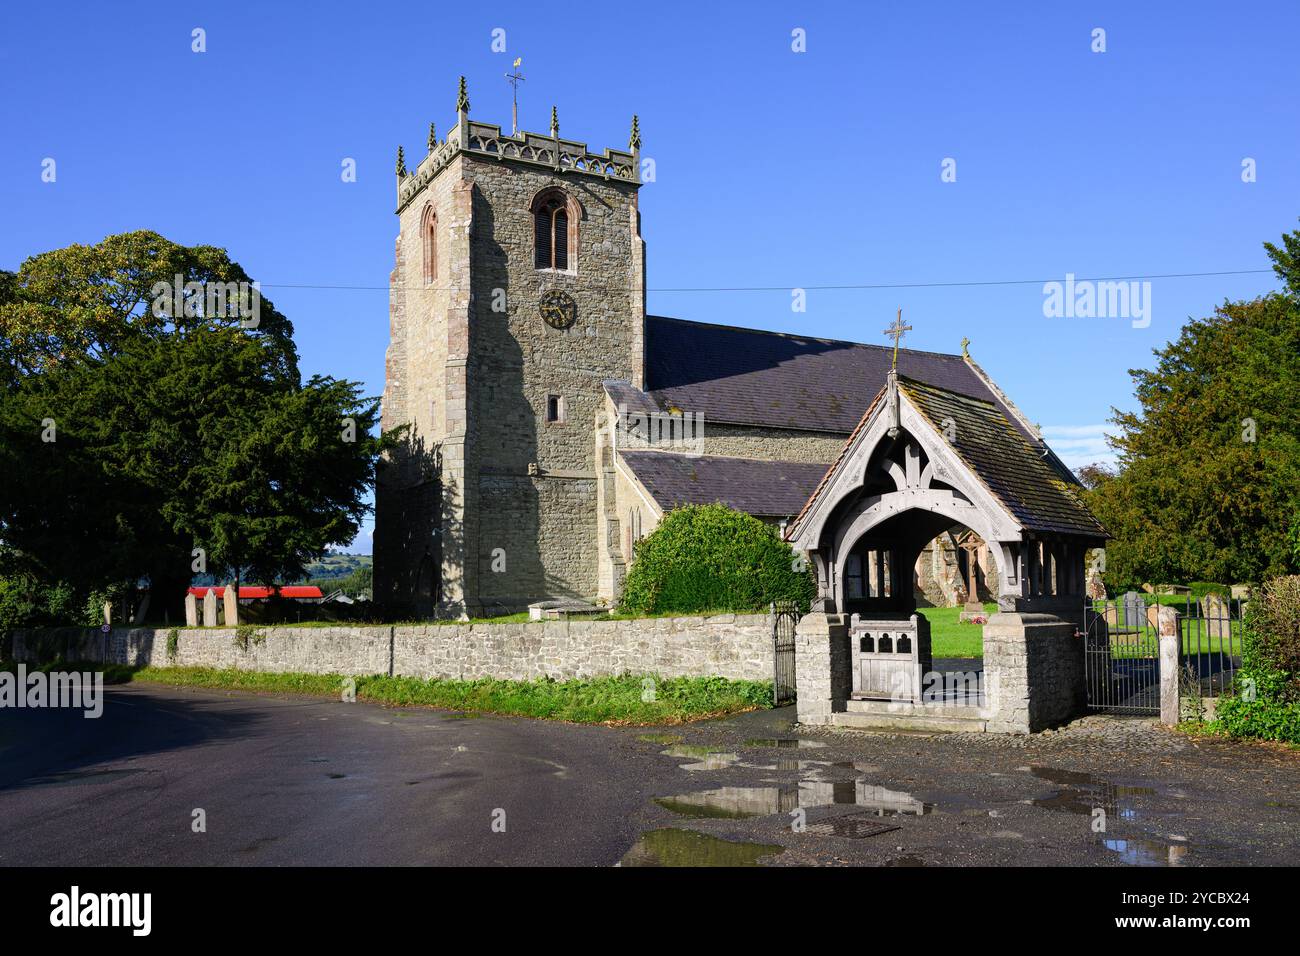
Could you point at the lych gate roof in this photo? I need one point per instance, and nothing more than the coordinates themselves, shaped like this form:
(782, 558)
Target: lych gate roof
(767, 488)
(773, 379)
(1022, 475)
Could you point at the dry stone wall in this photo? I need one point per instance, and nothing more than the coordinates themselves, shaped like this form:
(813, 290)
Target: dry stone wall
(736, 646)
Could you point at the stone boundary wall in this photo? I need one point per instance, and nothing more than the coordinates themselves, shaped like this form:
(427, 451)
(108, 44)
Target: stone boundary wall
(736, 646)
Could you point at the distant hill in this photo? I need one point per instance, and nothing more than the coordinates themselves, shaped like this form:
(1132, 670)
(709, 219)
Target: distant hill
(337, 566)
(328, 573)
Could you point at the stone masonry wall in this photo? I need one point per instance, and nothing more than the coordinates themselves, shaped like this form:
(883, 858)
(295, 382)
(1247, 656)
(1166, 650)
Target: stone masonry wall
(1035, 670)
(772, 444)
(736, 646)
(537, 477)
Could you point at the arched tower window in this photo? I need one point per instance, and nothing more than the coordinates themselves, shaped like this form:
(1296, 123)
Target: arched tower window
(429, 234)
(555, 230)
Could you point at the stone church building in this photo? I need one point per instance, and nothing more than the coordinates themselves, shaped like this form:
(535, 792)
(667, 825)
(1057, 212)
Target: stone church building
(550, 422)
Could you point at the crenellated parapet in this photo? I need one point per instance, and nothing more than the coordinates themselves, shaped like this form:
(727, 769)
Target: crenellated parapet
(486, 140)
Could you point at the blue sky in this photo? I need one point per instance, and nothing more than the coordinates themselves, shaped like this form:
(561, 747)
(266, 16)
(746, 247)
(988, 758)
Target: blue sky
(773, 168)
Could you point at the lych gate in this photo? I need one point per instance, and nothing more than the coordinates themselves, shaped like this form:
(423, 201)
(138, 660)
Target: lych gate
(922, 461)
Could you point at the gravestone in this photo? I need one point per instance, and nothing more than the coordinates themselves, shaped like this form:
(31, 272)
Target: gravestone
(1217, 617)
(1111, 615)
(230, 606)
(1134, 608)
(210, 608)
(191, 611)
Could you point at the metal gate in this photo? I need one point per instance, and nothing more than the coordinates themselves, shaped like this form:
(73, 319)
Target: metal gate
(1121, 657)
(1122, 652)
(785, 618)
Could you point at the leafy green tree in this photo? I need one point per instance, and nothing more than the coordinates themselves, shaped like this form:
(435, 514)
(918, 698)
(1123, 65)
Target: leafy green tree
(1208, 484)
(89, 302)
(129, 448)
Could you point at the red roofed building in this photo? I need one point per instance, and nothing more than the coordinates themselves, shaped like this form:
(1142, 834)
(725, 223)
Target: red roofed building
(254, 592)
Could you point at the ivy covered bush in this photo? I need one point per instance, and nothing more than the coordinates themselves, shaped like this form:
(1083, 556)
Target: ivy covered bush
(712, 558)
(1266, 699)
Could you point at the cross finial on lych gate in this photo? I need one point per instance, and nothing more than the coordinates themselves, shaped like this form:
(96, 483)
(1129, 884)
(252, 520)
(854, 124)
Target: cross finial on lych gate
(897, 331)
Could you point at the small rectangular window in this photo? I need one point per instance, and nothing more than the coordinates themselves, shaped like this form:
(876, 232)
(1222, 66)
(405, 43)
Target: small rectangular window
(555, 408)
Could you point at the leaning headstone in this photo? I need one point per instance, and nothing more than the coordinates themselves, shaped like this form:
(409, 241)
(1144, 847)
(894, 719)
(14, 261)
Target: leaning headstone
(210, 608)
(191, 611)
(230, 606)
(1217, 617)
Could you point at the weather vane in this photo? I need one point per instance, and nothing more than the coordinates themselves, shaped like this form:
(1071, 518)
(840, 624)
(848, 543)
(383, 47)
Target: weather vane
(897, 330)
(515, 79)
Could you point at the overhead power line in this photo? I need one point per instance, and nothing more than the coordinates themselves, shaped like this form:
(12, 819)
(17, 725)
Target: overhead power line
(816, 288)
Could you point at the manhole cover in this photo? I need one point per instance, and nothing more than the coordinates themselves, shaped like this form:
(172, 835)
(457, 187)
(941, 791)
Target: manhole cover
(852, 825)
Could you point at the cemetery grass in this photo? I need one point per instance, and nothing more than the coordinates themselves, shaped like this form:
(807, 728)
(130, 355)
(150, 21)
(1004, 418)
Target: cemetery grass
(949, 638)
(596, 700)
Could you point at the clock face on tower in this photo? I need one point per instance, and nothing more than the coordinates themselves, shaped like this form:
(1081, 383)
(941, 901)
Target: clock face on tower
(559, 311)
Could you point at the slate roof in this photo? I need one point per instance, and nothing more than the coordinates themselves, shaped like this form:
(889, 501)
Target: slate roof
(1017, 471)
(774, 379)
(774, 489)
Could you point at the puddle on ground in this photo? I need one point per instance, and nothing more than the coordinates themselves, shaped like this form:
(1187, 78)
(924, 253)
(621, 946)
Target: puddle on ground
(660, 738)
(738, 803)
(710, 759)
(673, 847)
(1083, 792)
(1147, 852)
(906, 861)
(784, 743)
(463, 715)
(337, 776)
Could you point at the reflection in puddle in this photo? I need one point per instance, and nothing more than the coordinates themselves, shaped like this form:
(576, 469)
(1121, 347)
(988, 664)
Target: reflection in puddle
(791, 743)
(1083, 793)
(673, 847)
(714, 759)
(1147, 852)
(740, 802)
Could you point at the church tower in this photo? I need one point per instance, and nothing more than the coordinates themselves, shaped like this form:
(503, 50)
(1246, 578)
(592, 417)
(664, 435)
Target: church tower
(518, 288)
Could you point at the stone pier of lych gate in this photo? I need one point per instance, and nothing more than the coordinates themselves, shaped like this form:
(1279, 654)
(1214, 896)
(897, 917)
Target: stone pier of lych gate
(922, 461)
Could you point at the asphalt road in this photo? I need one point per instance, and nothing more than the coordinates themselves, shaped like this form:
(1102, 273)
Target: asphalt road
(306, 782)
(302, 781)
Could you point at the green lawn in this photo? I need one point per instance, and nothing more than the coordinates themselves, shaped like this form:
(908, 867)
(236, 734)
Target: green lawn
(951, 639)
(609, 700)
